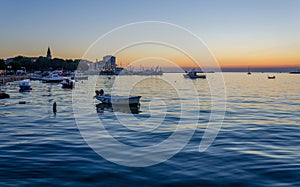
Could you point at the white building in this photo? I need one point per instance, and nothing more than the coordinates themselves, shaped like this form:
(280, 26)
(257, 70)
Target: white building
(109, 63)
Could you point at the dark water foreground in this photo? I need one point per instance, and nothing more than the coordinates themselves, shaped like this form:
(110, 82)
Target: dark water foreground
(258, 145)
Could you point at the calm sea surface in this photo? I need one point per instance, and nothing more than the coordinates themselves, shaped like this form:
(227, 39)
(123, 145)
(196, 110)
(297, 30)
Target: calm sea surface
(258, 144)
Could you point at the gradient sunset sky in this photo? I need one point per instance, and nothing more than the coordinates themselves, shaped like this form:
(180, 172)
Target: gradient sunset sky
(256, 33)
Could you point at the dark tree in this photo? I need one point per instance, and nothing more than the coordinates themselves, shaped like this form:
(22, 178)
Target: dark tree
(2, 64)
(57, 64)
(15, 65)
(42, 63)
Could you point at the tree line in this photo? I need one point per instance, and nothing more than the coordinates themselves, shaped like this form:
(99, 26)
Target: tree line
(42, 64)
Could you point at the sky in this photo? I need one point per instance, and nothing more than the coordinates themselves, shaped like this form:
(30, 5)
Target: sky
(255, 33)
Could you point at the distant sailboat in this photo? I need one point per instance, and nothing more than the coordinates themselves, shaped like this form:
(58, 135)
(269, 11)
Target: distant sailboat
(249, 73)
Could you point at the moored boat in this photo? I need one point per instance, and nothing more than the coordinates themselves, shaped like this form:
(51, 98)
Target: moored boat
(117, 100)
(79, 76)
(24, 86)
(249, 72)
(4, 95)
(271, 77)
(35, 78)
(295, 72)
(66, 83)
(194, 74)
(53, 78)
(131, 109)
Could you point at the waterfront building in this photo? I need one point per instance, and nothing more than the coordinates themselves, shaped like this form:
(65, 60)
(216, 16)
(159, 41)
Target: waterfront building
(109, 63)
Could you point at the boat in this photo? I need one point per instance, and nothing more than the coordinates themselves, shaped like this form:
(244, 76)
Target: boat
(4, 95)
(34, 78)
(117, 100)
(295, 72)
(24, 86)
(53, 78)
(79, 76)
(271, 77)
(66, 83)
(194, 74)
(249, 73)
(131, 109)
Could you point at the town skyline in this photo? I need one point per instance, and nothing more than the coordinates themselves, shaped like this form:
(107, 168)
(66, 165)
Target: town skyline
(48, 55)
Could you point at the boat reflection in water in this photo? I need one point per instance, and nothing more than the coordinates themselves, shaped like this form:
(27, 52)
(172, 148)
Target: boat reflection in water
(130, 109)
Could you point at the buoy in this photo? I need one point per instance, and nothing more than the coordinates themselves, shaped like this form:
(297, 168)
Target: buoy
(54, 108)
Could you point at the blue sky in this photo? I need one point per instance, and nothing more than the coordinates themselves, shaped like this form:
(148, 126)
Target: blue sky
(232, 29)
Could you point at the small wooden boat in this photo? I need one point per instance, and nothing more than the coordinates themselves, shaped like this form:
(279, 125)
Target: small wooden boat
(66, 83)
(117, 100)
(131, 109)
(24, 86)
(194, 74)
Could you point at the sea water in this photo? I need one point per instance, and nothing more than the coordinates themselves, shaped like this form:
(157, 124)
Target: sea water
(257, 145)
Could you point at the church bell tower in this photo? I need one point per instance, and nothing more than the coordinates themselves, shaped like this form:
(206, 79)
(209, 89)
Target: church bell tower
(49, 57)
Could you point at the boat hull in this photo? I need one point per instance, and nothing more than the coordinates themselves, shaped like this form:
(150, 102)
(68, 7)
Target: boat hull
(195, 77)
(25, 88)
(52, 80)
(4, 96)
(119, 100)
(67, 86)
(36, 78)
(295, 72)
(195, 74)
(67, 83)
(131, 109)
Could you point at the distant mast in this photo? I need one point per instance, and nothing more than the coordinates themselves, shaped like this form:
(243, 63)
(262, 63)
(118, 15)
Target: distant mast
(49, 57)
(249, 73)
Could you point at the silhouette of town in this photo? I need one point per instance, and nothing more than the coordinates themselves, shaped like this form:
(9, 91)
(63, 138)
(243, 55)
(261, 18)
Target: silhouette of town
(22, 64)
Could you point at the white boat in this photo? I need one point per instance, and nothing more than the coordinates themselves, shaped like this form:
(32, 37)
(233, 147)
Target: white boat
(194, 74)
(53, 78)
(67, 83)
(131, 109)
(24, 86)
(79, 76)
(119, 100)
